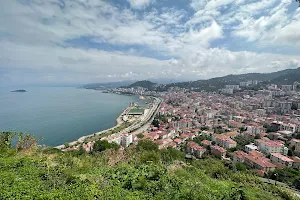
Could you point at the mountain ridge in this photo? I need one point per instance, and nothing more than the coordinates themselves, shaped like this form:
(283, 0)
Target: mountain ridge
(287, 76)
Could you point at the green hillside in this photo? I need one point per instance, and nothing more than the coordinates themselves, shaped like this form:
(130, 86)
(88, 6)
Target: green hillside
(288, 76)
(145, 84)
(137, 173)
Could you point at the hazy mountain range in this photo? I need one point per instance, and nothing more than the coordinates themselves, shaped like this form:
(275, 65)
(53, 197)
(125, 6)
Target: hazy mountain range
(288, 76)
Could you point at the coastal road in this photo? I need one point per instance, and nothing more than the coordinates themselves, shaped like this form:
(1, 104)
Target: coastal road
(139, 126)
(146, 121)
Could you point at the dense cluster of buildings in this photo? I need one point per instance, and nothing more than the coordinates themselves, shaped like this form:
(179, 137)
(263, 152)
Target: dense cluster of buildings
(272, 119)
(270, 116)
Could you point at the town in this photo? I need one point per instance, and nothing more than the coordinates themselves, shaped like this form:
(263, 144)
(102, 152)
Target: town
(259, 128)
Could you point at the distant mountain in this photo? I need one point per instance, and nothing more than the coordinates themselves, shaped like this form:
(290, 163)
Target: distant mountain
(165, 80)
(107, 85)
(288, 76)
(144, 84)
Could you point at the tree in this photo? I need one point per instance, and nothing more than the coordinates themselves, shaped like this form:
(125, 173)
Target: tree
(140, 136)
(200, 138)
(155, 123)
(294, 107)
(240, 167)
(102, 145)
(257, 136)
(26, 141)
(296, 183)
(242, 129)
(243, 140)
(170, 154)
(6, 138)
(67, 145)
(238, 193)
(147, 145)
(290, 153)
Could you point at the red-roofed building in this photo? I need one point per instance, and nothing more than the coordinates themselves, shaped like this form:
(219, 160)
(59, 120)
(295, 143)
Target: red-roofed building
(260, 163)
(163, 135)
(184, 137)
(153, 136)
(172, 144)
(194, 149)
(205, 143)
(224, 141)
(218, 151)
(278, 158)
(296, 163)
(271, 146)
(178, 141)
(238, 156)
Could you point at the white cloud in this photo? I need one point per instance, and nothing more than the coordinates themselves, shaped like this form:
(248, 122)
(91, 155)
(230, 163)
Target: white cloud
(257, 7)
(202, 37)
(35, 48)
(139, 4)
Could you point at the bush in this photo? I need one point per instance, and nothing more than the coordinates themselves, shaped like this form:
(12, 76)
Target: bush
(240, 167)
(102, 145)
(170, 154)
(150, 156)
(147, 145)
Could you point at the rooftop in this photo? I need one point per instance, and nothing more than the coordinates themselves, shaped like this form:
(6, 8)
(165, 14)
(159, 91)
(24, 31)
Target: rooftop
(282, 157)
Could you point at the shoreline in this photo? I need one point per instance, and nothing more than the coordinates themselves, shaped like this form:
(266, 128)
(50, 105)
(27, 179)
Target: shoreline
(118, 122)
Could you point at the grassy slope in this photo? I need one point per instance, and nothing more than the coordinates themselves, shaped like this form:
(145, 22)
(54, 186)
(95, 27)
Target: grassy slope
(129, 174)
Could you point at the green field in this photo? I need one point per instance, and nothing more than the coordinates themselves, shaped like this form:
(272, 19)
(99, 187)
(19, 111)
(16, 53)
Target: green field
(136, 110)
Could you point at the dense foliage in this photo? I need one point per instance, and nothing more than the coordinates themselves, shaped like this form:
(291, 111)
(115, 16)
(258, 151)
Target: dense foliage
(102, 145)
(289, 176)
(144, 172)
(243, 140)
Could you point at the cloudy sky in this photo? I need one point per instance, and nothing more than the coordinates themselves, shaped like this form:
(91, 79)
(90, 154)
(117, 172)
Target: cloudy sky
(83, 41)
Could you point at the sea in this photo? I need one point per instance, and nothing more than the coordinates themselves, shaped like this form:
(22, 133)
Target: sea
(60, 114)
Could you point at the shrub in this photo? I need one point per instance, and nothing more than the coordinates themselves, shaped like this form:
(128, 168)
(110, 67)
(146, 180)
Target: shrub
(102, 145)
(147, 145)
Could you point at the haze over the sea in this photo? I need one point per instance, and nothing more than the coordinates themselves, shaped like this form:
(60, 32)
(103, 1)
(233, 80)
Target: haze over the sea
(60, 114)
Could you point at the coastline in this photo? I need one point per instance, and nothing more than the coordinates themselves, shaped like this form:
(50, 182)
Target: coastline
(118, 121)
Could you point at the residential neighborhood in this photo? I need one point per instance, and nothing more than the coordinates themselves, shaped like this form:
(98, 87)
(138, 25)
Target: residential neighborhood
(259, 128)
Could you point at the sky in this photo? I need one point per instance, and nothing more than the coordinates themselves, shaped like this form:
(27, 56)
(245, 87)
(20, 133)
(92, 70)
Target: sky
(87, 41)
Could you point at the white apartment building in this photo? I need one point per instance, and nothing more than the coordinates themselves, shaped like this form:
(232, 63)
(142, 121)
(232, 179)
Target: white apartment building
(126, 140)
(278, 158)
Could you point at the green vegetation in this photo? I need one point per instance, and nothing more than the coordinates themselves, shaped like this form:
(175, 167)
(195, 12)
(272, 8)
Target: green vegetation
(200, 138)
(146, 145)
(155, 123)
(242, 140)
(137, 110)
(144, 172)
(102, 145)
(144, 84)
(162, 118)
(284, 77)
(109, 132)
(286, 175)
(140, 136)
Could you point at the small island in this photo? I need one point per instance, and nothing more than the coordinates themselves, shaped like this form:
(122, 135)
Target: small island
(19, 90)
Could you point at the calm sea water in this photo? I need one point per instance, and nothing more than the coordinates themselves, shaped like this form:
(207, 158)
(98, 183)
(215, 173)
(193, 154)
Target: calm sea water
(60, 114)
